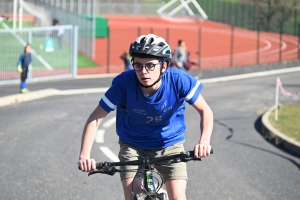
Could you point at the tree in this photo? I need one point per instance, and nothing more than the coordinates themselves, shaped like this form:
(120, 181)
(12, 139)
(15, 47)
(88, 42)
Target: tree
(274, 13)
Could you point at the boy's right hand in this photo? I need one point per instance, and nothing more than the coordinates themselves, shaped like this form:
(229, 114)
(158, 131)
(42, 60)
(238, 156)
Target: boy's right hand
(87, 165)
(20, 70)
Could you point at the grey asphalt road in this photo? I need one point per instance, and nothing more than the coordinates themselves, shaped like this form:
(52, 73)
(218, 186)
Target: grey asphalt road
(40, 141)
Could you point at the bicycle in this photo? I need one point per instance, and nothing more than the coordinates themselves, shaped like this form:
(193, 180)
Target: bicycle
(146, 169)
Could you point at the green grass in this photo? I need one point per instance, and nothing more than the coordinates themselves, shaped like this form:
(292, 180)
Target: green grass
(84, 62)
(288, 120)
(12, 49)
(26, 24)
(60, 58)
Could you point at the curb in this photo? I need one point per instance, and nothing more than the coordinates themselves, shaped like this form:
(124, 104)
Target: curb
(276, 137)
(19, 98)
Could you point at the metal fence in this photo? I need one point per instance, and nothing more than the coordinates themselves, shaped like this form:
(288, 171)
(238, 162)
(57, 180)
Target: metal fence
(281, 30)
(112, 7)
(215, 46)
(86, 35)
(54, 55)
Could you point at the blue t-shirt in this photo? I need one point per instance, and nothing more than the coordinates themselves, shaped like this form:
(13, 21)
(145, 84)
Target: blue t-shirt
(154, 122)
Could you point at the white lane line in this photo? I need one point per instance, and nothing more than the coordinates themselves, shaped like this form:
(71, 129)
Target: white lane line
(109, 122)
(108, 153)
(82, 91)
(100, 136)
(101, 132)
(250, 75)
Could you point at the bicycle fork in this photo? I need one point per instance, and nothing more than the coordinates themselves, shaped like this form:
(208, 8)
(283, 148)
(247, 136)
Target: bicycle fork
(149, 186)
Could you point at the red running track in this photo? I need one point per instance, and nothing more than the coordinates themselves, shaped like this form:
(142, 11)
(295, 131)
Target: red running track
(219, 44)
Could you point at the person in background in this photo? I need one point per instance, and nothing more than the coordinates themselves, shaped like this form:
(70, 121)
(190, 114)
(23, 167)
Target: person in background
(180, 55)
(3, 18)
(58, 33)
(127, 60)
(24, 65)
(189, 62)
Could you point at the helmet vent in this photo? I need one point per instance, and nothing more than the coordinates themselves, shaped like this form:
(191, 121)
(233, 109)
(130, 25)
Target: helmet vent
(143, 40)
(161, 44)
(151, 40)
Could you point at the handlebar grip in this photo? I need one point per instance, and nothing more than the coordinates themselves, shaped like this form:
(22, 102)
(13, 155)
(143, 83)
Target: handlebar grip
(192, 153)
(98, 165)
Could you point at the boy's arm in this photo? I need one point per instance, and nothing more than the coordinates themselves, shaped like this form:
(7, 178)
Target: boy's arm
(88, 136)
(20, 60)
(206, 126)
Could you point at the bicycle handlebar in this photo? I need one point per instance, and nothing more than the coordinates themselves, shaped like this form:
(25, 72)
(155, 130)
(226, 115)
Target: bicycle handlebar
(182, 157)
(109, 167)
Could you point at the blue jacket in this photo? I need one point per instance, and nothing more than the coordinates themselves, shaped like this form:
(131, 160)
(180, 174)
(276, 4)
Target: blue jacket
(25, 60)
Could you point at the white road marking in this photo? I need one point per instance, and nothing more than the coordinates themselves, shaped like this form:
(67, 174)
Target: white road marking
(250, 75)
(100, 136)
(82, 91)
(108, 153)
(109, 122)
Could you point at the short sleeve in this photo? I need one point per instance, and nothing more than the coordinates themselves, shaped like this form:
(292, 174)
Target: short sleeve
(115, 96)
(189, 87)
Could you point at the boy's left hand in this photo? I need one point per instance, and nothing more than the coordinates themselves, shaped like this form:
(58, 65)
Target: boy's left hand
(19, 68)
(202, 150)
(30, 67)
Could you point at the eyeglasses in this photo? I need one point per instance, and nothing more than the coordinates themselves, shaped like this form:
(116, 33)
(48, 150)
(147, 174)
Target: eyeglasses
(148, 66)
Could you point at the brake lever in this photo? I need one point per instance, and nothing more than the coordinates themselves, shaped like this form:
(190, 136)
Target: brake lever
(184, 159)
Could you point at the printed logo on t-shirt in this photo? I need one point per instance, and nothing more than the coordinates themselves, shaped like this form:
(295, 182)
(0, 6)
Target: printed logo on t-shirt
(139, 111)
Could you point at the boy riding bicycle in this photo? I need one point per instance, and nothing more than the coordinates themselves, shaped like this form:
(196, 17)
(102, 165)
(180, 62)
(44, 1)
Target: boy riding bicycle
(150, 104)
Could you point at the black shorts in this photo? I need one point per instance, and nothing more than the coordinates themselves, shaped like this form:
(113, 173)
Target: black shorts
(24, 75)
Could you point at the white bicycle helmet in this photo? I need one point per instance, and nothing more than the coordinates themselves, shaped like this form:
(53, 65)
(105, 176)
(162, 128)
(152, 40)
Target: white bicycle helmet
(152, 45)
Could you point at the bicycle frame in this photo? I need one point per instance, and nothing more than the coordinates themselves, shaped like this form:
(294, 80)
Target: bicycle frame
(148, 184)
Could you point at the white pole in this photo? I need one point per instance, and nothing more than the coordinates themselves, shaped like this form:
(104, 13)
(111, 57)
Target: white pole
(21, 15)
(186, 6)
(15, 14)
(201, 11)
(64, 4)
(276, 98)
(57, 3)
(79, 4)
(175, 10)
(166, 6)
(71, 6)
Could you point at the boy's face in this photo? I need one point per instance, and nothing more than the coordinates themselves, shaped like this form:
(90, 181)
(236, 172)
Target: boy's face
(148, 76)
